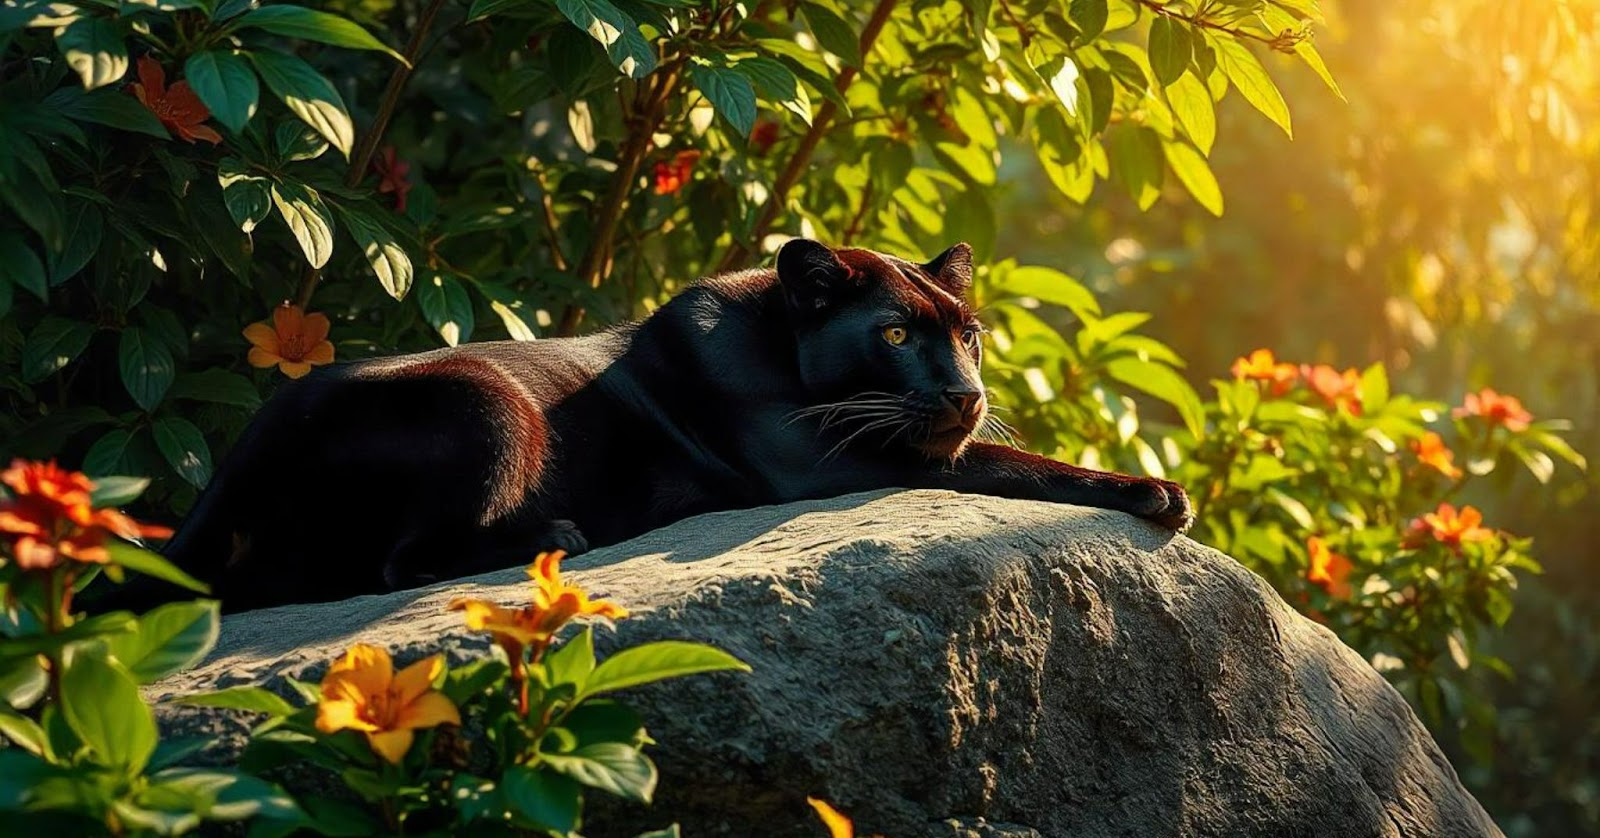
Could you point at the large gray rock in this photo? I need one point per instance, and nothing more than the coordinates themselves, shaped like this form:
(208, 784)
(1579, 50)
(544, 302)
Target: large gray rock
(951, 665)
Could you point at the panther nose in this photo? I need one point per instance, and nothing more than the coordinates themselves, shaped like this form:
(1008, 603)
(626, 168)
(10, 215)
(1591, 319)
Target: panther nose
(964, 400)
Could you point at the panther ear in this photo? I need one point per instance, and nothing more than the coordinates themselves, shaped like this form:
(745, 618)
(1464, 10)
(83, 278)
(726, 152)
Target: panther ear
(811, 274)
(952, 269)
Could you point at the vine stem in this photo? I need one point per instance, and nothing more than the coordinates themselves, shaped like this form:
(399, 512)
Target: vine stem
(361, 160)
(650, 109)
(739, 252)
(1164, 10)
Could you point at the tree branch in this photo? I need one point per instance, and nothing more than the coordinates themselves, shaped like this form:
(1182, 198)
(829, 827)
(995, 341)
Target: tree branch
(1282, 42)
(361, 160)
(740, 251)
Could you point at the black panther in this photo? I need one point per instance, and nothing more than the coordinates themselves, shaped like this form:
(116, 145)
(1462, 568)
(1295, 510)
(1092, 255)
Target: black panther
(837, 371)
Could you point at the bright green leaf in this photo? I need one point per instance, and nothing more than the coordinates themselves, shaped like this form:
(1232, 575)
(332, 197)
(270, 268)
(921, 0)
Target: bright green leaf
(312, 25)
(730, 93)
(93, 47)
(308, 218)
(102, 704)
(1191, 168)
(658, 661)
(308, 94)
(383, 253)
(609, 766)
(170, 638)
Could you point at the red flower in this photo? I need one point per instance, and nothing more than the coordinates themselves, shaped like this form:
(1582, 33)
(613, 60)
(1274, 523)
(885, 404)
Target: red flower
(674, 174)
(1448, 527)
(1341, 390)
(49, 517)
(763, 135)
(178, 108)
(392, 176)
(1431, 451)
(1329, 570)
(1496, 409)
(1261, 365)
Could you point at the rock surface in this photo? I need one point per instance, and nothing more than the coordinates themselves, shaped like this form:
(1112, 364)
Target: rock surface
(938, 664)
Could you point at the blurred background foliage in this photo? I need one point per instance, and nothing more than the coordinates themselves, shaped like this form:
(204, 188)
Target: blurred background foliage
(492, 169)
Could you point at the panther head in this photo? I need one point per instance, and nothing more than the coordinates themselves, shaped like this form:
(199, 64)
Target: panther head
(888, 348)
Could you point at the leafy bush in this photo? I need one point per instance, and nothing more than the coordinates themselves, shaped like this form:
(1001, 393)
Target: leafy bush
(86, 755)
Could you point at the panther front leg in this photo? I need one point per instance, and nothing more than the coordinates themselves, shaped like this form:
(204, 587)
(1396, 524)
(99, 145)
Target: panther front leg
(1005, 472)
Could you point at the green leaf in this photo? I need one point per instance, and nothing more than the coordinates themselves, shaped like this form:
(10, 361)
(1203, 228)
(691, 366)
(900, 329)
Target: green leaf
(308, 218)
(147, 367)
(778, 84)
(515, 314)
(1165, 384)
(1169, 49)
(1245, 71)
(833, 33)
(24, 733)
(1374, 389)
(1135, 155)
(1191, 168)
(730, 93)
(308, 94)
(573, 662)
(1191, 104)
(115, 490)
(184, 448)
(248, 699)
(23, 267)
(139, 560)
(485, 8)
(22, 681)
(384, 254)
(296, 141)
(446, 307)
(604, 720)
(548, 799)
(108, 454)
(109, 107)
(1295, 509)
(616, 32)
(93, 47)
(1090, 17)
(225, 84)
(102, 705)
(171, 638)
(1049, 286)
(53, 344)
(217, 386)
(610, 766)
(312, 25)
(1061, 74)
(247, 196)
(655, 662)
(99, 626)
(85, 229)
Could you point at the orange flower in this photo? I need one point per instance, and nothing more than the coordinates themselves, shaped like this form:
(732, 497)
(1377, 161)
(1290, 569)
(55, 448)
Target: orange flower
(49, 518)
(1339, 389)
(674, 174)
(1261, 365)
(1329, 570)
(178, 108)
(295, 342)
(838, 825)
(1431, 451)
(363, 692)
(1448, 527)
(763, 136)
(392, 176)
(554, 605)
(1496, 409)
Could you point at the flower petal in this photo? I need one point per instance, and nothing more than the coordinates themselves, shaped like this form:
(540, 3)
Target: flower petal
(417, 678)
(198, 131)
(153, 78)
(428, 710)
(365, 666)
(289, 320)
(322, 353)
(294, 369)
(264, 337)
(391, 744)
(334, 715)
(314, 328)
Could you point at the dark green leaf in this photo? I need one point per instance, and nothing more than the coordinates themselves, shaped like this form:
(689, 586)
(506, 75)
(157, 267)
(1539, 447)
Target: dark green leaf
(1090, 17)
(143, 561)
(184, 447)
(23, 267)
(248, 196)
(85, 227)
(1169, 49)
(93, 47)
(312, 25)
(446, 306)
(53, 344)
(217, 386)
(308, 218)
(171, 638)
(225, 84)
(308, 94)
(102, 704)
(617, 32)
(611, 766)
(112, 108)
(730, 93)
(777, 84)
(117, 490)
(543, 797)
(147, 367)
(108, 455)
(296, 141)
(833, 33)
(383, 253)
(225, 795)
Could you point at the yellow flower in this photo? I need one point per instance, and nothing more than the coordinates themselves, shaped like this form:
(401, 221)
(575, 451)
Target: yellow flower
(294, 343)
(363, 692)
(838, 825)
(554, 605)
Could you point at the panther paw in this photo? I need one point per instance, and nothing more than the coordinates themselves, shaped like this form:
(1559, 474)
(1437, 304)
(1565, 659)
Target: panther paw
(1165, 503)
(563, 535)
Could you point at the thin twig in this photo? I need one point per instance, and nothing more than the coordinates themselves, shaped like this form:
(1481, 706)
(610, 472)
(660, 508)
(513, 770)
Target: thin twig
(1163, 9)
(854, 229)
(739, 252)
(362, 159)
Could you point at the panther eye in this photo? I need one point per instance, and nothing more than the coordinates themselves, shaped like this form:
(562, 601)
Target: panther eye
(895, 335)
(972, 336)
